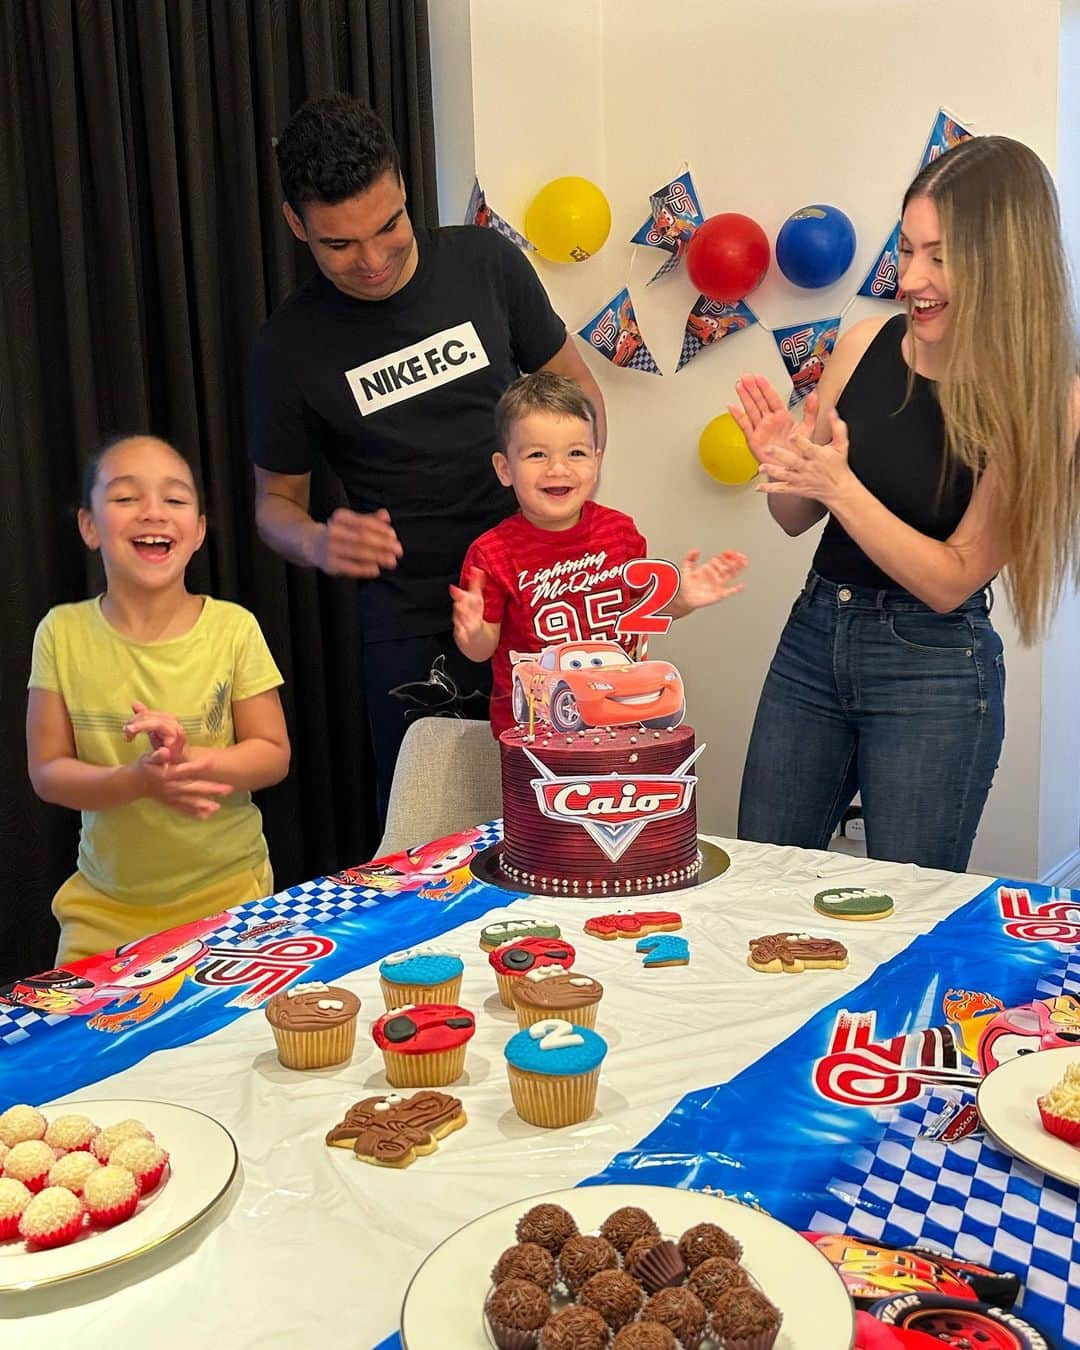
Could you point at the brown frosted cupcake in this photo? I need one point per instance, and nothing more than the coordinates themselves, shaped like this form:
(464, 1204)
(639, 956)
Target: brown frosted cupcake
(526, 1261)
(314, 1025)
(616, 1296)
(575, 1329)
(716, 1277)
(582, 1257)
(549, 1226)
(515, 1312)
(744, 1319)
(655, 1263)
(549, 991)
(645, 1336)
(623, 1228)
(682, 1312)
(697, 1244)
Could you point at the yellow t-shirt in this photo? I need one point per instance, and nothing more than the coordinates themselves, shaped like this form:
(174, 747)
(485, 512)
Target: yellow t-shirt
(147, 853)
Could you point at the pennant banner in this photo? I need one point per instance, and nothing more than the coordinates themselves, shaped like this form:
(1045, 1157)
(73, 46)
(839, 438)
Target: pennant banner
(806, 347)
(709, 322)
(676, 214)
(614, 333)
(944, 134)
(479, 213)
(883, 280)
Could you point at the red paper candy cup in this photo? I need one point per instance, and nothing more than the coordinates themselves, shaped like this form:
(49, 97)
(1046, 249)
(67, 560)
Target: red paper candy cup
(1061, 1126)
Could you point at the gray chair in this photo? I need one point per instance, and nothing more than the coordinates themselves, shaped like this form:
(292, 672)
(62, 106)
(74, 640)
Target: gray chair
(446, 779)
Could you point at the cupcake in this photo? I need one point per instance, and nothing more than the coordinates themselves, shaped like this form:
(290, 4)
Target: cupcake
(514, 959)
(550, 991)
(29, 1162)
(102, 1145)
(682, 1312)
(110, 1195)
(645, 1336)
(614, 1295)
(549, 1226)
(582, 1257)
(697, 1244)
(510, 930)
(716, 1277)
(72, 1169)
(424, 1046)
(575, 1329)
(1059, 1109)
(626, 1226)
(14, 1197)
(655, 1263)
(515, 1312)
(526, 1261)
(53, 1218)
(21, 1123)
(421, 975)
(67, 1134)
(143, 1159)
(554, 1069)
(314, 1025)
(744, 1319)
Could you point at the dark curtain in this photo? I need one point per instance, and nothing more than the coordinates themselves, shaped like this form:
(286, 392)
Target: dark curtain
(142, 246)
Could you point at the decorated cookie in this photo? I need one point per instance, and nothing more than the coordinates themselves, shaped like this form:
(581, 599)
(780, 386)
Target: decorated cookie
(663, 950)
(392, 1131)
(511, 930)
(633, 923)
(550, 991)
(792, 953)
(553, 1067)
(853, 902)
(424, 1045)
(514, 959)
(421, 975)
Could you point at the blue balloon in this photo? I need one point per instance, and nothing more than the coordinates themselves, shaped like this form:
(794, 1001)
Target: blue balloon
(815, 246)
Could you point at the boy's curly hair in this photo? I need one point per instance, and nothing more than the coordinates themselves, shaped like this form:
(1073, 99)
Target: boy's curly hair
(332, 149)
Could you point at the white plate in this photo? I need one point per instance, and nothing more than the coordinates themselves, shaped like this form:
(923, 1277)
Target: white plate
(202, 1163)
(450, 1287)
(1007, 1102)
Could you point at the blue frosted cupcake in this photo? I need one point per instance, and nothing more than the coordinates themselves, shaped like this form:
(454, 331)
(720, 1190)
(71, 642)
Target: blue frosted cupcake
(554, 1069)
(421, 975)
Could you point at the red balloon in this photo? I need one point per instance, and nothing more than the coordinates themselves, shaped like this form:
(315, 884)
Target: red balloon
(728, 257)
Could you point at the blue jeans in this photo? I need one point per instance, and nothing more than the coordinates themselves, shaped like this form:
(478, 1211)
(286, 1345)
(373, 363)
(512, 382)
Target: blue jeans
(871, 691)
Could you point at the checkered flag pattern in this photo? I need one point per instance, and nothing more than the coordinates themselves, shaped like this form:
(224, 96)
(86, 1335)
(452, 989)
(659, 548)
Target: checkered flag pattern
(666, 267)
(691, 345)
(642, 359)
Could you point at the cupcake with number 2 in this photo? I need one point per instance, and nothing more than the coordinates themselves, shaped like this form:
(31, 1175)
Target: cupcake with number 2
(554, 1069)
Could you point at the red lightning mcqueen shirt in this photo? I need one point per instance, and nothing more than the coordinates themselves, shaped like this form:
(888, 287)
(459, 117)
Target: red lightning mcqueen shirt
(549, 586)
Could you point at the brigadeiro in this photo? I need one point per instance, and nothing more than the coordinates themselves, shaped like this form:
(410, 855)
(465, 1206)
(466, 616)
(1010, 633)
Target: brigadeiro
(744, 1319)
(697, 1244)
(526, 1261)
(584, 1256)
(655, 1263)
(575, 1329)
(547, 1225)
(715, 1277)
(681, 1311)
(623, 1228)
(515, 1311)
(645, 1336)
(614, 1295)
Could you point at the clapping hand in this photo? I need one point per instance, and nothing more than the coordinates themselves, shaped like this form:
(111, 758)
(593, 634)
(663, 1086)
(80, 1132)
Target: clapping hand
(469, 608)
(188, 788)
(705, 583)
(359, 544)
(765, 419)
(803, 468)
(167, 737)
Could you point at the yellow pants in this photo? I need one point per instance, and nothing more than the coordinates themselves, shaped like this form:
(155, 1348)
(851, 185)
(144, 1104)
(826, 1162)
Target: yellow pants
(92, 922)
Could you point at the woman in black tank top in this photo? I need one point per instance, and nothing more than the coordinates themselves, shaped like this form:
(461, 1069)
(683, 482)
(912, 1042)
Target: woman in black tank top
(889, 678)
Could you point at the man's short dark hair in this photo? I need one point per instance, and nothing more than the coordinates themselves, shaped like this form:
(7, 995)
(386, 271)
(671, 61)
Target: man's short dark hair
(332, 149)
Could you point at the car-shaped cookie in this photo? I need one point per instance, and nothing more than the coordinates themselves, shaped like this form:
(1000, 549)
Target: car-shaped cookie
(595, 684)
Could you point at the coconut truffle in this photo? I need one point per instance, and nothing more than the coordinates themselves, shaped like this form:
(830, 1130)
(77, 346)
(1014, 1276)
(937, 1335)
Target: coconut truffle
(547, 1225)
(20, 1123)
(29, 1162)
(72, 1169)
(111, 1135)
(54, 1216)
(14, 1197)
(68, 1133)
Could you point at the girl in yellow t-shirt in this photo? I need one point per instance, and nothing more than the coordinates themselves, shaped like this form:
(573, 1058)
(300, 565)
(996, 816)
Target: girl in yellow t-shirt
(169, 830)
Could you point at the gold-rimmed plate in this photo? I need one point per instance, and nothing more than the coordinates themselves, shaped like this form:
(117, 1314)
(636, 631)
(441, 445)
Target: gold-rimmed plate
(202, 1164)
(1007, 1101)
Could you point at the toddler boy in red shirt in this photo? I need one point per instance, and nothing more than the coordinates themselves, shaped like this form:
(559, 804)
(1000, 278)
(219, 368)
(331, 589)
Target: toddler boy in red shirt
(552, 572)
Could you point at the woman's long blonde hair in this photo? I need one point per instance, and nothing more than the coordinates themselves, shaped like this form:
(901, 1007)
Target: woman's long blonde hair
(1008, 392)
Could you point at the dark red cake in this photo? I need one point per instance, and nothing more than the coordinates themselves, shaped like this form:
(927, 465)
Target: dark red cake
(608, 811)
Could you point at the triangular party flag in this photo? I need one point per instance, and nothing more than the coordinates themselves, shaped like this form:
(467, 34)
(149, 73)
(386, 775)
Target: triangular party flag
(675, 214)
(479, 213)
(614, 333)
(883, 280)
(944, 134)
(710, 321)
(805, 348)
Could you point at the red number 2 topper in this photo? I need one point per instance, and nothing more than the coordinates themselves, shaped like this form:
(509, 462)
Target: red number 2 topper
(663, 580)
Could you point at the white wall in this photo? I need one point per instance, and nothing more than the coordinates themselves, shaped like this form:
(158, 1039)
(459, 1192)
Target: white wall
(771, 114)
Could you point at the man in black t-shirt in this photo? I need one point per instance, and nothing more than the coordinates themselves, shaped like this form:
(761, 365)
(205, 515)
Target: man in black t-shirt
(388, 364)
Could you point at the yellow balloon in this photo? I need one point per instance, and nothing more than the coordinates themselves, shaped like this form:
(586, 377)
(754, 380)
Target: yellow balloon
(724, 453)
(568, 220)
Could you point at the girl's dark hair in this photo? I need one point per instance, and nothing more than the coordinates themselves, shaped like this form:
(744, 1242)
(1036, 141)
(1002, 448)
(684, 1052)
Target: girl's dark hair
(332, 149)
(93, 464)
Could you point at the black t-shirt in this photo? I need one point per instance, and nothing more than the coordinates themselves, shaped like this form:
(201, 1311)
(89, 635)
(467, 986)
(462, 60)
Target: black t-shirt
(398, 395)
(897, 449)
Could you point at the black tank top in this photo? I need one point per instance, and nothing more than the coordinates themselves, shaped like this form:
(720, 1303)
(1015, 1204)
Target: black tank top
(896, 450)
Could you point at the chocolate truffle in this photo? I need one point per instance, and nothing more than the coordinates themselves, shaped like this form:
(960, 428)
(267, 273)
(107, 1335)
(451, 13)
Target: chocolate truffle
(575, 1329)
(584, 1256)
(526, 1261)
(697, 1244)
(547, 1225)
(625, 1226)
(715, 1277)
(645, 1336)
(516, 1310)
(746, 1315)
(614, 1295)
(681, 1311)
(655, 1263)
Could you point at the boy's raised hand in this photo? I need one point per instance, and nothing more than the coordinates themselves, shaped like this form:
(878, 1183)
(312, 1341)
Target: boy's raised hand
(469, 608)
(704, 583)
(167, 736)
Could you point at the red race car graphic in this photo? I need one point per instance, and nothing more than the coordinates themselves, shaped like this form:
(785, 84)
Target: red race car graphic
(595, 684)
